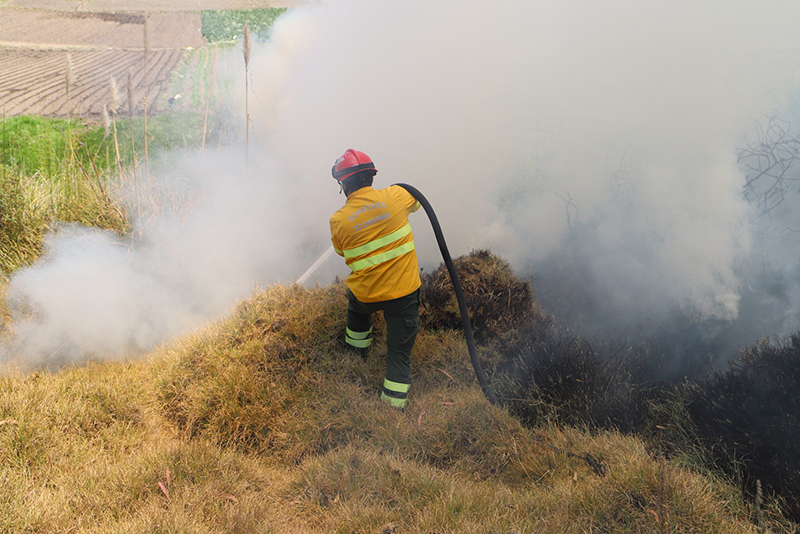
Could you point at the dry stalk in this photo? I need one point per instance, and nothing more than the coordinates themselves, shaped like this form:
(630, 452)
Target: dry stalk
(205, 119)
(4, 143)
(208, 99)
(205, 125)
(106, 130)
(100, 192)
(662, 497)
(762, 525)
(130, 116)
(106, 122)
(114, 105)
(133, 147)
(146, 53)
(69, 78)
(247, 46)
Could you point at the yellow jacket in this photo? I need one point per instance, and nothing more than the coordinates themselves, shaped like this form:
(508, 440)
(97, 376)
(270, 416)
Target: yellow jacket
(373, 234)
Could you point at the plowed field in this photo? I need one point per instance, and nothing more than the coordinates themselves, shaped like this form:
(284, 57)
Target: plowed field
(34, 81)
(36, 46)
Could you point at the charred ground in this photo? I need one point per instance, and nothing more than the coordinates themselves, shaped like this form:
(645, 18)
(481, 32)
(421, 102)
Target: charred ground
(742, 421)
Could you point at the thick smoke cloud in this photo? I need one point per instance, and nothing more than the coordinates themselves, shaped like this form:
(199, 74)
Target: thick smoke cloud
(205, 237)
(592, 144)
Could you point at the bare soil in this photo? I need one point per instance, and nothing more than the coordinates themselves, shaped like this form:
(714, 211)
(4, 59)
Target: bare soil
(38, 29)
(36, 45)
(103, 38)
(34, 81)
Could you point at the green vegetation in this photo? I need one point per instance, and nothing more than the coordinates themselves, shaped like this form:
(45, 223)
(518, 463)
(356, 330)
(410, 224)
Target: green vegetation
(193, 81)
(165, 133)
(204, 84)
(265, 422)
(221, 26)
(38, 146)
(41, 185)
(34, 144)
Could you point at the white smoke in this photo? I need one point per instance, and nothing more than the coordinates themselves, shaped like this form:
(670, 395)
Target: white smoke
(215, 235)
(521, 121)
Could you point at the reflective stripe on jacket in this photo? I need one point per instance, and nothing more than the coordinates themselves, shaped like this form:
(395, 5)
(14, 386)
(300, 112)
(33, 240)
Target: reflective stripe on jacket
(372, 232)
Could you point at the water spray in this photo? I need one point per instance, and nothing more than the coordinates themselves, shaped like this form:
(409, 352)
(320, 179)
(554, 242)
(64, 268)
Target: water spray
(313, 268)
(462, 304)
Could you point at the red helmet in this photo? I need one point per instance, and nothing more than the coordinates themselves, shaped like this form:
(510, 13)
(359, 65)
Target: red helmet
(351, 162)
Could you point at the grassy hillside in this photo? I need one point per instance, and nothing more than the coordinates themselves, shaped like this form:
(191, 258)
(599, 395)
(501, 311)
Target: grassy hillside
(265, 422)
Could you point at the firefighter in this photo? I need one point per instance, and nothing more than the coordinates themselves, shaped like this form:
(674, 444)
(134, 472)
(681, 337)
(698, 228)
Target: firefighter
(373, 235)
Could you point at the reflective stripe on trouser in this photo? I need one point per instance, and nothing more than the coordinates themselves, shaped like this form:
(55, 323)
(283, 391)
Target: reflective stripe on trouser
(402, 324)
(359, 340)
(395, 393)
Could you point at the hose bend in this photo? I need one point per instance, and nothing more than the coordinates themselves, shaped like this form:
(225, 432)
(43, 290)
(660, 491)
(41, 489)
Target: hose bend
(462, 304)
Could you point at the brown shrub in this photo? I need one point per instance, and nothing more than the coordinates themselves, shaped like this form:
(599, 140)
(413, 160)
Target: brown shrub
(498, 301)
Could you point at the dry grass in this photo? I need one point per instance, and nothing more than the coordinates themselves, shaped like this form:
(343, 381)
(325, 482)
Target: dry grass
(349, 489)
(498, 301)
(264, 422)
(30, 206)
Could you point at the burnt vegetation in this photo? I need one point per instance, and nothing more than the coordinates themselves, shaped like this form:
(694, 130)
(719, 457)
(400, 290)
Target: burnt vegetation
(748, 416)
(497, 300)
(741, 421)
(768, 159)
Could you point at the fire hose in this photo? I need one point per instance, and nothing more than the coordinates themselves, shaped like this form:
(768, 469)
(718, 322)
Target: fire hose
(462, 304)
(597, 466)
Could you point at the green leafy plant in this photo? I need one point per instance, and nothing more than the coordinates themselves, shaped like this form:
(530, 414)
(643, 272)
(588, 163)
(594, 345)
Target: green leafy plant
(220, 26)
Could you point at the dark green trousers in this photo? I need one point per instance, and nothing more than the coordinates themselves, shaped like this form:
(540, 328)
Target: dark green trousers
(402, 325)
